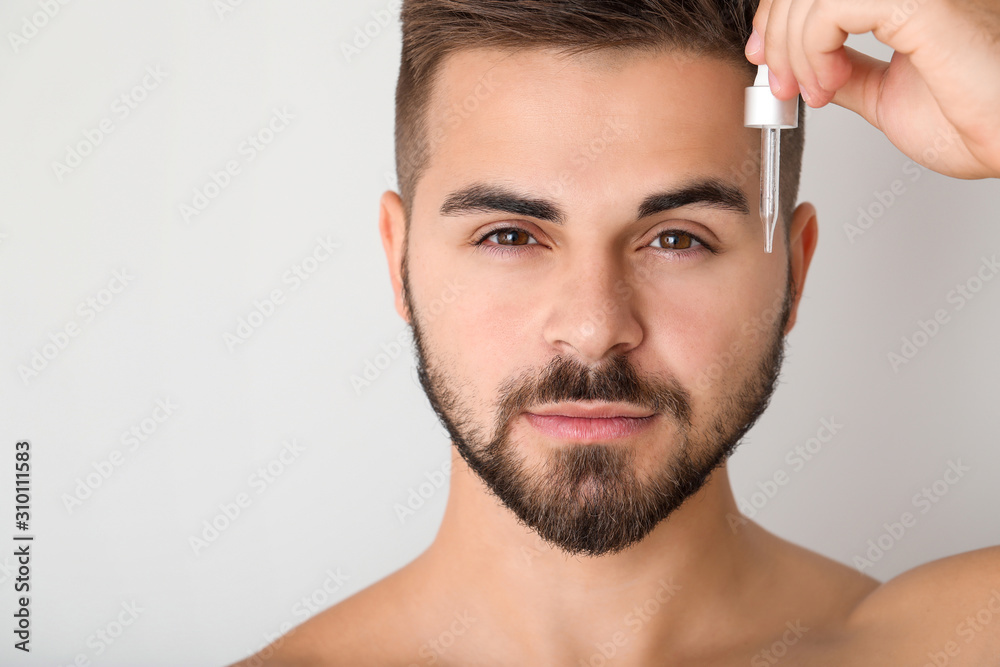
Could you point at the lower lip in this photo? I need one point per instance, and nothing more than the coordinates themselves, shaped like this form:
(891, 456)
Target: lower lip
(587, 429)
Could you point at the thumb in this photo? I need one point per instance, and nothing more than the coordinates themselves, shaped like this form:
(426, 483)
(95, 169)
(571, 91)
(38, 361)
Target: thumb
(861, 92)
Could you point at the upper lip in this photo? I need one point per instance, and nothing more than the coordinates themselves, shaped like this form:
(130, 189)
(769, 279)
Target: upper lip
(592, 410)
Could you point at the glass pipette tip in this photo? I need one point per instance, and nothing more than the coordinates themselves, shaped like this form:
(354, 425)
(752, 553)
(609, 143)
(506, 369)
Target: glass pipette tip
(770, 149)
(765, 111)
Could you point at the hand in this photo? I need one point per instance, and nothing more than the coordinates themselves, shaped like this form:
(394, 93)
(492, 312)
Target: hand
(937, 99)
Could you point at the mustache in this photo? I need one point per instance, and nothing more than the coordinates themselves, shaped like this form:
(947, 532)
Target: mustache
(615, 380)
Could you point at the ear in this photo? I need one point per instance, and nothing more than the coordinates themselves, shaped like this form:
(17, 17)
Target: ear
(392, 228)
(802, 237)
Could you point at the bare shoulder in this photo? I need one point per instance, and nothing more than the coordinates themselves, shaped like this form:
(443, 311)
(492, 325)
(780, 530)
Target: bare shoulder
(947, 609)
(942, 613)
(329, 638)
(370, 628)
(828, 588)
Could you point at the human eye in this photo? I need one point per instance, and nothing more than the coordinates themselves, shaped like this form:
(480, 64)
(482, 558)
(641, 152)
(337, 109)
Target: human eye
(681, 244)
(509, 239)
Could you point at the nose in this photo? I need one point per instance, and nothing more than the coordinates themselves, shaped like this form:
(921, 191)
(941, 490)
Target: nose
(592, 313)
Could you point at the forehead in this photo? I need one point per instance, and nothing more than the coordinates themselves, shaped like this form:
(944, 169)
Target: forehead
(584, 127)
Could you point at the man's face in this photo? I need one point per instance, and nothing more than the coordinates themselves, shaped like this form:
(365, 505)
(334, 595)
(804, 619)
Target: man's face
(584, 287)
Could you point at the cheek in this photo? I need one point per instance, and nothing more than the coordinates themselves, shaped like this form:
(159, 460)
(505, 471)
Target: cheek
(708, 338)
(476, 326)
(493, 330)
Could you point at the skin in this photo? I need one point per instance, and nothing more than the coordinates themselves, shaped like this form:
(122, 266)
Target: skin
(490, 590)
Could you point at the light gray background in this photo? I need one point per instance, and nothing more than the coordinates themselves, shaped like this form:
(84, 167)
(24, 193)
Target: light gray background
(334, 507)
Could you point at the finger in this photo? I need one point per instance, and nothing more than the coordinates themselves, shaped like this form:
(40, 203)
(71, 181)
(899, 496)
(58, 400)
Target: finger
(800, 66)
(754, 50)
(824, 34)
(860, 92)
(783, 84)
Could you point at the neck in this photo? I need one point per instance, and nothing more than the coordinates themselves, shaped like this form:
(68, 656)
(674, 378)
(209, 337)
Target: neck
(678, 586)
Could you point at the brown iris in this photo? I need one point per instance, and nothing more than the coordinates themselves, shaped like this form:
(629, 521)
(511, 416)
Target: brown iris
(512, 234)
(674, 240)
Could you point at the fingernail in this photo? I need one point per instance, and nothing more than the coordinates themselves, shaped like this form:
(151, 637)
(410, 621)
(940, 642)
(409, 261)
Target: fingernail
(773, 80)
(805, 95)
(753, 44)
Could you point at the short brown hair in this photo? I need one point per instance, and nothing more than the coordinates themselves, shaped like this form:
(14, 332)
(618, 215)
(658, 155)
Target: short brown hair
(433, 29)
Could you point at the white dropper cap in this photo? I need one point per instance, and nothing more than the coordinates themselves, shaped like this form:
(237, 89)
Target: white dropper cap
(762, 109)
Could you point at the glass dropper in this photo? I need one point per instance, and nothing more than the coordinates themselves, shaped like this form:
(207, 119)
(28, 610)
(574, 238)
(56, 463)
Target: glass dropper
(762, 109)
(770, 156)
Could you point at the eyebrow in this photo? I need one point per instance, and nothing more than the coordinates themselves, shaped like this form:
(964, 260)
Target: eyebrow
(485, 197)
